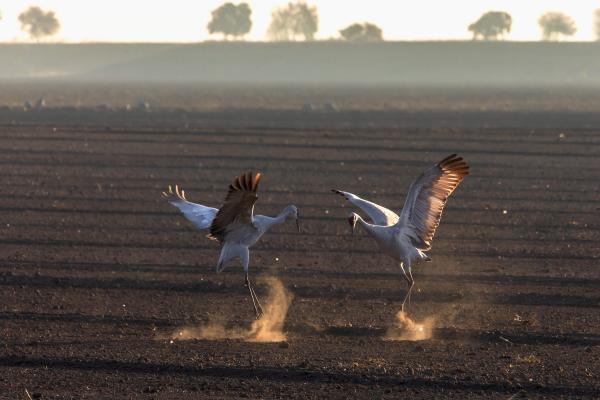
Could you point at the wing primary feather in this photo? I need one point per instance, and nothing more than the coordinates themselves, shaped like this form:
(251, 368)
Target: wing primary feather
(237, 210)
(248, 181)
(427, 197)
(200, 215)
(256, 181)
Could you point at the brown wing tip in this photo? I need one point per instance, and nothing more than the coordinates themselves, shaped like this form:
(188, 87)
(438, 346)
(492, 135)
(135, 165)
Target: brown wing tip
(247, 181)
(255, 181)
(238, 182)
(248, 178)
(447, 159)
(455, 164)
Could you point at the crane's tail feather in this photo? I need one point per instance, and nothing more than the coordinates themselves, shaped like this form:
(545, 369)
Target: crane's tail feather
(221, 265)
(424, 256)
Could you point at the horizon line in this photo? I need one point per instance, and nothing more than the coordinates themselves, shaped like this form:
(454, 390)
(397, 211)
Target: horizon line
(296, 42)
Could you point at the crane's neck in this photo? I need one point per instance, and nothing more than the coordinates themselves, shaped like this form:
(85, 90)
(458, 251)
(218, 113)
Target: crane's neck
(268, 222)
(369, 228)
(284, 215)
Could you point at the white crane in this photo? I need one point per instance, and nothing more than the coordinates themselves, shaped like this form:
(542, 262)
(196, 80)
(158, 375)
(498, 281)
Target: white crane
(234, 224)
(405, 238)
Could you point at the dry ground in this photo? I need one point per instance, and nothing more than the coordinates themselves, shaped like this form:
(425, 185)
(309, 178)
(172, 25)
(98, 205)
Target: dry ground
(96, 270)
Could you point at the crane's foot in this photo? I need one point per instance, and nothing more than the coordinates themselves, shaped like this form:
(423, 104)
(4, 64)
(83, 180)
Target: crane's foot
(257, 306)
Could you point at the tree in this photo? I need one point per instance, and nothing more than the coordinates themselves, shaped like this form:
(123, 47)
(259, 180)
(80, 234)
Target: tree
(294, 20)
(39, 23)
(491, 25)
(597, 23)
(231, 20)
(365, 32)
(554, 24)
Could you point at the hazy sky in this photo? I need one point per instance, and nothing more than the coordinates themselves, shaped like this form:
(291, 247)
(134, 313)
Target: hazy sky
(185, 20)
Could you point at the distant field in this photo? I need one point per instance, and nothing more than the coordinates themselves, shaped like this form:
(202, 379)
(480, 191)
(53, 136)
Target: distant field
(388, 63)
(316, 98)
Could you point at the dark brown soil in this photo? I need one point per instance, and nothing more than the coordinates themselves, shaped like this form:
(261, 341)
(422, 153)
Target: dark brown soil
(97, 271)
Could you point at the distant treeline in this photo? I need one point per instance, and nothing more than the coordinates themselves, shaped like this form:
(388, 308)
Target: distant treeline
(334, 62)
(300, 21)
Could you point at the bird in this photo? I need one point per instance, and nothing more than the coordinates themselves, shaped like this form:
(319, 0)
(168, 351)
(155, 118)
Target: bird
(234, 225)
(407, 237)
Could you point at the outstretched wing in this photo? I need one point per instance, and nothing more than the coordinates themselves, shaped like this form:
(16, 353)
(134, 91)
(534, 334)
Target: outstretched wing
(426, 198)
(236, 212)
(199, 215)
(378, 214)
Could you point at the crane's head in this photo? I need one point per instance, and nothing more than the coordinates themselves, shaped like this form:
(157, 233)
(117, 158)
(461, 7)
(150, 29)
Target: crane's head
(292, 210)
(352, 218)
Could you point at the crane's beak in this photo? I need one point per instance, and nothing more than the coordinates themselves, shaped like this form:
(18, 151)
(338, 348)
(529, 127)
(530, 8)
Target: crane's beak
(298, 221)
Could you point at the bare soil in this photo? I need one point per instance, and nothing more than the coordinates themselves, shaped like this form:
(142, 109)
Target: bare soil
(97, 271)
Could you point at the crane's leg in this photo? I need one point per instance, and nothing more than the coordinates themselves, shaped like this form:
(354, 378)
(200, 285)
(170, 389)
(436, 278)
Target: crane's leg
(257, 306)
(410, 281)
(244, 255)
(255, 302)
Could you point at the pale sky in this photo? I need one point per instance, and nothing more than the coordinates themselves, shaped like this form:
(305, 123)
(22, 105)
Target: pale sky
(186, 20)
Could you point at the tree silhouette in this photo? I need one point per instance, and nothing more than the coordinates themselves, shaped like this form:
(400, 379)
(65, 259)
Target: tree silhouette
(597, 23)
(231, 20)
(39, 23)
(491, 25)
(554, 24)
(293, 21)
(365, 32)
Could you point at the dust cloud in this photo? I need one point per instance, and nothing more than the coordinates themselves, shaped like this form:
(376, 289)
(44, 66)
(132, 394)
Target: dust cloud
(406, 328)
(270, 327)
(267, 329)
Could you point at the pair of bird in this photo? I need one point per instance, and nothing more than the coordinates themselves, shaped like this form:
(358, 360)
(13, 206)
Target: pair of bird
(405, 238)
